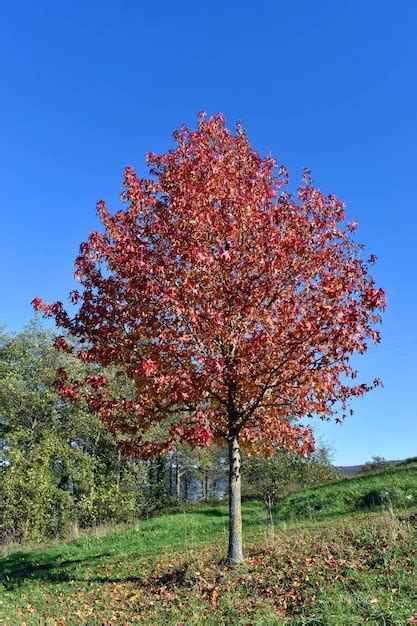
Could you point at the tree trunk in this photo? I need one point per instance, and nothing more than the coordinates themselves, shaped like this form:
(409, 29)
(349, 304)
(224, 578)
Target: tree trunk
(269, 504)
(206, 485)
(119, 469)
(235, 553)
(186, 482)
(177, 482)
(171, 480)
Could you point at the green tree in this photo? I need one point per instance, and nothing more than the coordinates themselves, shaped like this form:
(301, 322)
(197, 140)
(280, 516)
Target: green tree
(59, 466)
(274, 477)
(377, 463)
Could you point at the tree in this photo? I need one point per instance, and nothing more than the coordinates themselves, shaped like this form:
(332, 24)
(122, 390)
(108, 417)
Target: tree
(31, 414)
(274, 477)
(229, 304)
(183, 463)
(317, 469)
(377, 463)
(59, 467)
(209, 469)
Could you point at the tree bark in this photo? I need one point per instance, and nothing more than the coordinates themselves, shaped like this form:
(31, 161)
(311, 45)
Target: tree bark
(177, 481)
(171, 480)
(206, 486)
(235, 553)
(119, 469)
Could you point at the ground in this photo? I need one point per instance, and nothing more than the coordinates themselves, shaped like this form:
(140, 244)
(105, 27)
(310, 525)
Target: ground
(344, 570)
(339, 554)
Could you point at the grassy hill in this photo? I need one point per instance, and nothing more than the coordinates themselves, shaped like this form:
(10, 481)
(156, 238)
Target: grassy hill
(341, 563)
(395, 486)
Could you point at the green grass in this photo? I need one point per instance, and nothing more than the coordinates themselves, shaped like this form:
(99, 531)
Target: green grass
(395, 486)
(326, 569)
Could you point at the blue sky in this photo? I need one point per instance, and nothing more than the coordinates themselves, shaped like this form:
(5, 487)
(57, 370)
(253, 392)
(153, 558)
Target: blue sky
(89, 87)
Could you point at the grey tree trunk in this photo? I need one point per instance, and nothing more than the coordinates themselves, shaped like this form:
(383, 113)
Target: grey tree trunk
(119, 469)
(235, 553)
(186, 485)
(171, 480)
(177, 482)
(204, 486)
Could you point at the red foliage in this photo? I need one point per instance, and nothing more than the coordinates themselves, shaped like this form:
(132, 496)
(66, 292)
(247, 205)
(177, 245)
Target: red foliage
(230, 304)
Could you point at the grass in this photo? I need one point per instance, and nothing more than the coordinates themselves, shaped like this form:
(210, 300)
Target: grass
(334, 568)
(395, 486)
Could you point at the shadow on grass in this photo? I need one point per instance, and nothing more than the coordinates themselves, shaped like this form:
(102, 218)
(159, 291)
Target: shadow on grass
(249, 521)
(210, 512)
(21, 566)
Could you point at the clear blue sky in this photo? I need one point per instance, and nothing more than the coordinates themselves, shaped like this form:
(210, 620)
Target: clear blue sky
(89, 87)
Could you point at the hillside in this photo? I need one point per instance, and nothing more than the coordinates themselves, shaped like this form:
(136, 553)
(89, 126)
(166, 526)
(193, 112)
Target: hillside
(395, 486)
(329, 567)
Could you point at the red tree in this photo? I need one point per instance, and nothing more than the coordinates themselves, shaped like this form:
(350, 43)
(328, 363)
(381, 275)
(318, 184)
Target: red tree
(228, 303)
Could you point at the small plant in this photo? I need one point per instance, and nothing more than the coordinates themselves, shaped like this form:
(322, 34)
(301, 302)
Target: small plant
(377, 497)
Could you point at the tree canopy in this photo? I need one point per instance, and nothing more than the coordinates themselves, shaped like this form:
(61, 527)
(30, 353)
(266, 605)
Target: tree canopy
(230, 304)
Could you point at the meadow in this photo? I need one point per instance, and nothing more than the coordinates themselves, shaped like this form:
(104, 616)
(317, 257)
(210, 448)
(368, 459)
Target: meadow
(338, 554)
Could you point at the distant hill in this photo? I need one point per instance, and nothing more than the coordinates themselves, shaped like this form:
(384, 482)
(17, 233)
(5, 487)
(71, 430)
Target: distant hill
(349, 470)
